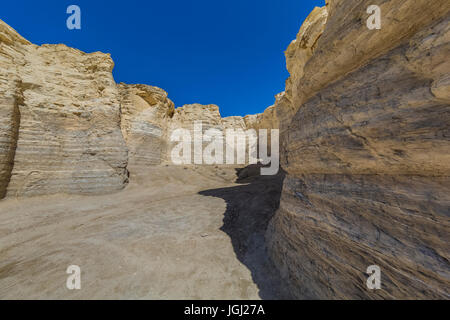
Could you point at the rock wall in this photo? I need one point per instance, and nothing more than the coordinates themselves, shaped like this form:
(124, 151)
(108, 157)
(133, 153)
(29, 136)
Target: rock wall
(365, 130)
(209, 116)
(10, 97)
(60, 120)
(367, 153)
(145, 115)
(267, 120)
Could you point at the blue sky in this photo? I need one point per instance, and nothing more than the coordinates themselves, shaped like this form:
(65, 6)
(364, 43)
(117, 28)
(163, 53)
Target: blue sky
(229, 53)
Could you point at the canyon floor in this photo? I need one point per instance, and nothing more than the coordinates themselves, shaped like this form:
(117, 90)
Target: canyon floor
(172, 233)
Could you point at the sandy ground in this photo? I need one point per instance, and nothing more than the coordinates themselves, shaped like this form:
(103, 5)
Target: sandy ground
(173, 233)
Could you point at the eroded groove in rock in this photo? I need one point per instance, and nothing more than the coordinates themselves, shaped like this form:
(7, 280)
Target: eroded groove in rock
(9, 131)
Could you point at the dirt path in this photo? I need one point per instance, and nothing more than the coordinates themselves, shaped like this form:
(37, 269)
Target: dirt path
(174, 233)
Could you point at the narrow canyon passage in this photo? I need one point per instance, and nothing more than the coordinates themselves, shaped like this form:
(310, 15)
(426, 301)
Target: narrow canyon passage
(173, 233)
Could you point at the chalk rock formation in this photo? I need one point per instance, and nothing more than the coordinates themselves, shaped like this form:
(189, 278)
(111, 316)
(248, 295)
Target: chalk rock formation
(367, 153)
(60, 120)
(234, 122)
(198, 119)
(185, 116)
(267, 120)
(297, 54)
(146, 112)
(67, 127)
(365, 127)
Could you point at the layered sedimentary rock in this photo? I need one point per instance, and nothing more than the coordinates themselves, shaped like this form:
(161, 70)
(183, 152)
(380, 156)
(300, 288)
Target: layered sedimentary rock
(67, 127)
(10, 97)
(8, 114)
(145, 115)
(195, 119)
(367, 154)
(187, 115)
(365, 142)
(232, 132)
(60, 120)
(297, 54)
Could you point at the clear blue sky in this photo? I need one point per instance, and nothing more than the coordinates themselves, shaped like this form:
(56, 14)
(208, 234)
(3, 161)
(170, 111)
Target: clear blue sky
(229, 53)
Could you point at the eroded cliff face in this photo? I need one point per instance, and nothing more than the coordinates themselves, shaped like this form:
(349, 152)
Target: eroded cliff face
(367, 153)
(190, 117)
(145, 115)
(60, 118)
(10, 97)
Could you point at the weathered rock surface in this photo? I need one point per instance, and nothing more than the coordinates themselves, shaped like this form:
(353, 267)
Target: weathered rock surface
(9, 101)
(145, 115)
(367, 153)
(60, 120)
(189, 116)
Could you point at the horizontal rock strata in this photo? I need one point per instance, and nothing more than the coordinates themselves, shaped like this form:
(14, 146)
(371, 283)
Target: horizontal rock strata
(60, 120)
(208, 116)
(145, 115)
(367, 154)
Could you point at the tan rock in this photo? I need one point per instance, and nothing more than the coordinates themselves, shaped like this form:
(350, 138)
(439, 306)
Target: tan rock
(346, 45)
(186, 115)
(234, 122)
(60, 120)
(367, 156)
(364, 124)
(145, 114)
(66, 126)
(297, 55)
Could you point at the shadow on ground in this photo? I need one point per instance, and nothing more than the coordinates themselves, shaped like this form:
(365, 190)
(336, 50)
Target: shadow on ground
(250, 207)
